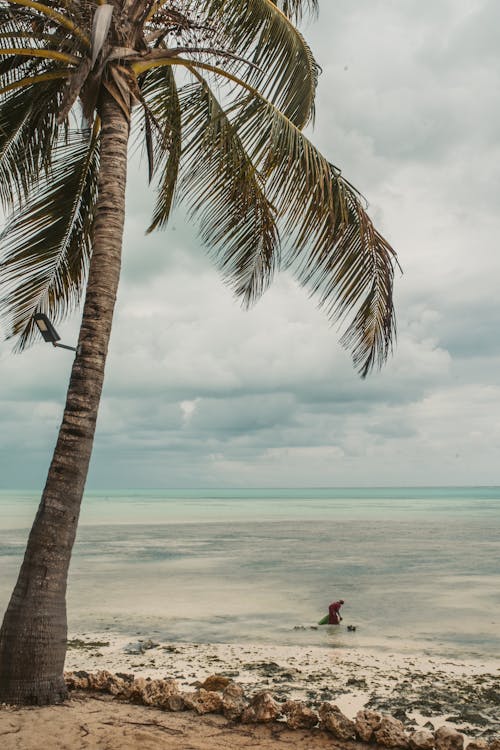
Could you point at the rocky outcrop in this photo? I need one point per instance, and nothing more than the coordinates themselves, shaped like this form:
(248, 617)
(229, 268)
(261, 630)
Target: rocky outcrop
(422, 739)
(219, 694)
(140, 647)
(203, 701)
(391, 733)
(365, 723)
(298, 715)
(479, 745)
(262, 708)
(233, 702)
(334, 721)
(216, 682)
(448, 739)
(162, 693)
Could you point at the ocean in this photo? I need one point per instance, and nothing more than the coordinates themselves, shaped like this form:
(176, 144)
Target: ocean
(418, 568)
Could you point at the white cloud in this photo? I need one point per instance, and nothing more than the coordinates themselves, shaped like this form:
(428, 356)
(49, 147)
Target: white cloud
(201, 392)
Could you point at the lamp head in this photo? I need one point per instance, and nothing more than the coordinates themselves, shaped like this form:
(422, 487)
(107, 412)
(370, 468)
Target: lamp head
(46, 328)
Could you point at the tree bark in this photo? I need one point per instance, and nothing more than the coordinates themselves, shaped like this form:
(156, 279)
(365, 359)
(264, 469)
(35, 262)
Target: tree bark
(34, 631)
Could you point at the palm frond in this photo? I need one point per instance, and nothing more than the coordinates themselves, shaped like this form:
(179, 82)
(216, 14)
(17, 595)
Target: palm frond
(100, 28)
(227, 195)
(334, 249)
(297, 8)
(28, 130)
(45, 54)
(53, 15)
(284, 67)
(159, 90)
(30, 80)
(46, 244)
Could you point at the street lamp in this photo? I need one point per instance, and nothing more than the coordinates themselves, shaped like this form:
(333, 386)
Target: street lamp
(48, 331)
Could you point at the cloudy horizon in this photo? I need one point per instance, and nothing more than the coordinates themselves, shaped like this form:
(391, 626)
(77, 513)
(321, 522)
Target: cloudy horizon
(200, 393)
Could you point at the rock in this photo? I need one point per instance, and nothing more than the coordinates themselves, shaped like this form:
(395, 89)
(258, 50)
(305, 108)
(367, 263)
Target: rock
(262, 708)
(216, 682)
(390, 733)
(334, 721)
(140, 647)
(299, 716)
(102, 681)
(448, 739)
(365, 722)
(494, 745)
(203, 701)
(118, 684)
(422, 739)
(162, 693)
(135, 690)
(127, 678)
(77, 680)
(478, 744)
(233, 702)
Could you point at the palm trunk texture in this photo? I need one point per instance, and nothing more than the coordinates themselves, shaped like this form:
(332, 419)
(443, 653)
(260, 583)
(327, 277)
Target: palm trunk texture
(34, 630)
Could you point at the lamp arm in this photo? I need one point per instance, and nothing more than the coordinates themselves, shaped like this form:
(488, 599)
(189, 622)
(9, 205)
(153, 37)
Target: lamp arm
(64, 346)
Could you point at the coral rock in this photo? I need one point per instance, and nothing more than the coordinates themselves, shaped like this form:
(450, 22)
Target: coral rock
(448, 739)
(233, 702)
(77, 680)
(366, 722)
(203, 701)
(494, 745)
(262, 708)
(299, 716)
(99, 680)
(334, 721)
(163, 693)
(390, 733)
(479, 745)
(422, 739)
(136, 689)
(216, 682)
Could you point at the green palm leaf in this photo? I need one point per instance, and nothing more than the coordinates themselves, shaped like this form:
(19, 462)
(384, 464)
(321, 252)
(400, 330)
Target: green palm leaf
(159, 90)
(334, 248)
(28, 129)
(331, 245)
(287, 73)
(226, 193)
(46, 245)
(295, 8)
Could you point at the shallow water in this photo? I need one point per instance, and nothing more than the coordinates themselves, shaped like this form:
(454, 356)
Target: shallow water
(417, 568)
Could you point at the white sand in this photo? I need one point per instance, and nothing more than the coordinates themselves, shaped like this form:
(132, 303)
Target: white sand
(427, 689)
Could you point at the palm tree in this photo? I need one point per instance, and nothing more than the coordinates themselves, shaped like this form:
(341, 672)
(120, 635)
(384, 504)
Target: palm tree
(219, 92)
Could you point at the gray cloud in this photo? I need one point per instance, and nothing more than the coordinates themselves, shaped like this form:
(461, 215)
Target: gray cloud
(199, 392)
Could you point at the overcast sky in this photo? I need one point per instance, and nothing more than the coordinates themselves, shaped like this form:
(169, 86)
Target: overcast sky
(200, 393)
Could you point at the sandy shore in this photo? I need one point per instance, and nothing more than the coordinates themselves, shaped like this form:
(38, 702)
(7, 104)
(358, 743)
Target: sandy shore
(419, 691)
(91, 723)
(422, 692)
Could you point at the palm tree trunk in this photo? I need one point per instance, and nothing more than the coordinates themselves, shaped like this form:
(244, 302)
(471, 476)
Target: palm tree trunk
(34, 631)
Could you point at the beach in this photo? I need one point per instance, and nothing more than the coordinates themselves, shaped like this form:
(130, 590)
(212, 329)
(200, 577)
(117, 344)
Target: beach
(185, 585)
(422, 692)
(99, 723)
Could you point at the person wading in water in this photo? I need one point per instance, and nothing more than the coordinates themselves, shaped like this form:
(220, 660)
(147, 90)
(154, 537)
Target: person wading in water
(334, 616)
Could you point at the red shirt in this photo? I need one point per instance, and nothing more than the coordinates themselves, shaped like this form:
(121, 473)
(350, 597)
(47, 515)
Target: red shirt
(334, 613)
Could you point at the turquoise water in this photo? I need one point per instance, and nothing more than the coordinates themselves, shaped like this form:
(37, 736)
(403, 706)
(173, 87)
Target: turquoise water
(418, 568)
